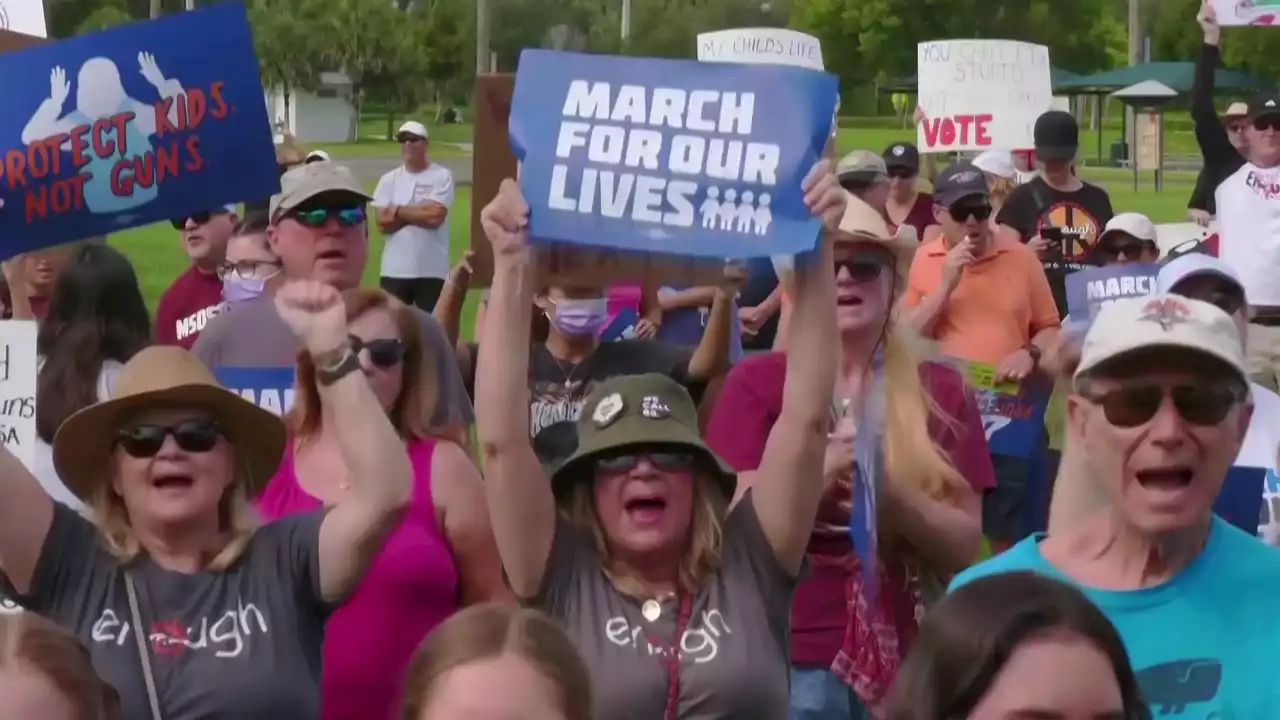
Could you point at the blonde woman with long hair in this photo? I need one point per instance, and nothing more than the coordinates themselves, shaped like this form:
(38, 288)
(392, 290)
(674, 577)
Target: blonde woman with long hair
(935, 467)
(678, 604)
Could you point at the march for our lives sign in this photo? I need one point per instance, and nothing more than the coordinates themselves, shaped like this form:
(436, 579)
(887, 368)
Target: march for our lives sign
(268, 387)
(675, 156)
(148, 121)
(1091, 288)
(1012, 413)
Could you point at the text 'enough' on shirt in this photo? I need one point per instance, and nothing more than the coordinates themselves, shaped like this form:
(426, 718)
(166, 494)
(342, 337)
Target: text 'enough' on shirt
(1222, 661)
(241, 644)
(1247, 196)
(414, 251)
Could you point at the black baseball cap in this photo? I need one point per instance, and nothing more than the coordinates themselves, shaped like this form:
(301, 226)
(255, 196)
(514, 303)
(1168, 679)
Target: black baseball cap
(1264, 103)
(1057, 135)
(903, 156)
(958, 181)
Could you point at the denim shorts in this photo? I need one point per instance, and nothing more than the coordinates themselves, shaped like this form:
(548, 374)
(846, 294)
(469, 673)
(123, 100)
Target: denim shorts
(817, 694)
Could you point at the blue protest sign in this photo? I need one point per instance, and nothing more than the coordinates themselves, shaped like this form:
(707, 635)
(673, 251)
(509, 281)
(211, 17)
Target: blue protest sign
(675, 156)
(621, 327)
(1093, 287)
(1240, 499)
(131, 125)
(269, 387)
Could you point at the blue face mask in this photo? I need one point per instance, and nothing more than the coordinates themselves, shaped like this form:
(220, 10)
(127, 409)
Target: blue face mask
(580, 316)
(236, 290)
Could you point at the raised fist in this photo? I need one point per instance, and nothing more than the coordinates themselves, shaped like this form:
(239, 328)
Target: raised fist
(314, 312)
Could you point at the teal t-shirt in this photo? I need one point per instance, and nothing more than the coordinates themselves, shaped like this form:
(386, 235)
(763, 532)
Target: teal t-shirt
(1205, 645)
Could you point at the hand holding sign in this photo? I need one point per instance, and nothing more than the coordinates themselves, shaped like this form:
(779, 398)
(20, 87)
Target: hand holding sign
(823, 195)
(315, 313)
(1208, 21)
(506, 220)
(1016, 366)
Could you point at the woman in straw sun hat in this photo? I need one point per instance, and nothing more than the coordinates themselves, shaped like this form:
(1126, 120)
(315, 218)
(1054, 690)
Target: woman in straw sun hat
(188, 608)
(678, 603)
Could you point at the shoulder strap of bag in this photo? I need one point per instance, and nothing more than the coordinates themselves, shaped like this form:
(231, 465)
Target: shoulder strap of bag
(141, 636)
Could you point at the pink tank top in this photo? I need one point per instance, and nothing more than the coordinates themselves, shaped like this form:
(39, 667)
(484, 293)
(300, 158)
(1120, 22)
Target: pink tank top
(621, 298)
(411, 587)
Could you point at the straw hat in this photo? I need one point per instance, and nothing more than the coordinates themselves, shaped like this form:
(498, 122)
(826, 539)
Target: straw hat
(164, 376)
(869, 226)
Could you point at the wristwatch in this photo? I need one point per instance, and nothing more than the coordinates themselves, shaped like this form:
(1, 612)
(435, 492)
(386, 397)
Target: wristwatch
(1034, 351)
(333, 365)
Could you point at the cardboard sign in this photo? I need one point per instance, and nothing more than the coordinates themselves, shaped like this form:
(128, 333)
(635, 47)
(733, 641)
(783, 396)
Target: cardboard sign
(270, 388)
(669, 156)
(493, 161)
(1012, 413)
(761, 46)
(1091, 288)
(18, 389)
(981, 94)
(23, 16)
(129, 126)
(1247, 12)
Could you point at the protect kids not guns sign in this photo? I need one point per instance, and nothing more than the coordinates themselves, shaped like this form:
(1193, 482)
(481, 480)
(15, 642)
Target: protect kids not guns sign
(980, 94)
(144, 122)
(672, 156)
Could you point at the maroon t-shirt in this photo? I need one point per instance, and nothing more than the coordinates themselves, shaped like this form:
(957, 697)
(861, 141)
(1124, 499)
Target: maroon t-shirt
(920, 216)
(190, 302)
(749, 404)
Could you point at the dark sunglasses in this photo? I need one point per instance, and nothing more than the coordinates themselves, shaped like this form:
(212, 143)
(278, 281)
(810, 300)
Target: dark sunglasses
(1235, 127)
(144, 441)
(1126, 250)
(406, 138)
(665, 460)
(859, 268)
(317, 217)
(1135, 405)
(962, 213)
(199, 218)
(1267, 122)
(384, 353)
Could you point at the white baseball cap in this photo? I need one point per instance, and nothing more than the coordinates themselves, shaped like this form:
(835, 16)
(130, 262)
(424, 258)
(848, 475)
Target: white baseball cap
(1162, 320)
(996, 162)
(1130, 223)
(318, 156)
(413, 127)
(1192, 265)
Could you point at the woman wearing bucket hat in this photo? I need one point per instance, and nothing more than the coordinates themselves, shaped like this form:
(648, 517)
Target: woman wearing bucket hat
(936, 464)
(679, 605)
(188, 608)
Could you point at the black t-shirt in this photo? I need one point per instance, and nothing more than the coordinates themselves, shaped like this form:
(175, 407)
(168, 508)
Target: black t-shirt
(557, 389)
(1080, 215)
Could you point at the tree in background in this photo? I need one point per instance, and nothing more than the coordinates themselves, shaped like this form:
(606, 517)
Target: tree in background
(287, 47)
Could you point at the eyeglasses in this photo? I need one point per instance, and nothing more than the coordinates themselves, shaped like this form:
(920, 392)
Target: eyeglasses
(962, 213)
(1267, 122)
(1135, 405)
(1235, 127)
(244, 269)
(317, 217)
(407, 139)
(665, 460)
(859, 269)
(144, 441)
(384, 353)
(199, 218)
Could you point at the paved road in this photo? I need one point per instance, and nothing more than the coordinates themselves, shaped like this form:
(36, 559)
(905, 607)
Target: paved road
(372, 168)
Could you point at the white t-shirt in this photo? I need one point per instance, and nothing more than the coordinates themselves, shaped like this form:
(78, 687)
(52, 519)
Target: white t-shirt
(1261, 444)
(412, 251)
(1249, 228)
(43, 469)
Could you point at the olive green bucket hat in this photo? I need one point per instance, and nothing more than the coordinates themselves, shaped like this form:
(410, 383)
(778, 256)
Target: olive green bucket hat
(637, 410)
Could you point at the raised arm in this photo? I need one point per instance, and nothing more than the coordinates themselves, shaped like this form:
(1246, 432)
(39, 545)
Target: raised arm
(788, 485)
(1220, 157)
(381, 476)
(26, 513)
(448, 310)
(520, 501)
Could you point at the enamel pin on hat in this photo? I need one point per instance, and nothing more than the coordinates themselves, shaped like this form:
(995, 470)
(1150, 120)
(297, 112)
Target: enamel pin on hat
(654, 408)
(607, 410)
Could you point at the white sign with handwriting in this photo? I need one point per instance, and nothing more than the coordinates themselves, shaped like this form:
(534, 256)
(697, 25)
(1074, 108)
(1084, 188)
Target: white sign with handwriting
(1247, 12)
(23, 16)
(761, 46)
(18, 389)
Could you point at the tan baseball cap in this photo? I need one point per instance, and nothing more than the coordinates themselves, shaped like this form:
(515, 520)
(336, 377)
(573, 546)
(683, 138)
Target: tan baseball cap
(305, 182)
(1236, 109)
(862, 166)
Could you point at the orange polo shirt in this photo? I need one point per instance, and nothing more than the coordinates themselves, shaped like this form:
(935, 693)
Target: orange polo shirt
(1001, 302)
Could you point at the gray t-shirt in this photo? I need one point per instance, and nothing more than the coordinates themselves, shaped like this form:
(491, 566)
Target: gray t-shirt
(253, 334)
(243, 644)
(734, 660)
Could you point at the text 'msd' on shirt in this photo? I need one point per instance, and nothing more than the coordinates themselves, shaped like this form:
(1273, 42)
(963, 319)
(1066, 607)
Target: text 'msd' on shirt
(676, 156)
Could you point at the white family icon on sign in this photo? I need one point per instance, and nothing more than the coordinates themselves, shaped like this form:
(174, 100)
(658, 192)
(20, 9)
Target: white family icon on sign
(744, 214)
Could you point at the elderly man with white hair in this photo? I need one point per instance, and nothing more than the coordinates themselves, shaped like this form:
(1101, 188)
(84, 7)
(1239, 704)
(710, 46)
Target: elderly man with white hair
(1160, 406)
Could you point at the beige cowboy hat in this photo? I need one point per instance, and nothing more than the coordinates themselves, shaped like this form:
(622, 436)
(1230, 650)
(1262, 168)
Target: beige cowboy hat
(165, 376)
(866, 225)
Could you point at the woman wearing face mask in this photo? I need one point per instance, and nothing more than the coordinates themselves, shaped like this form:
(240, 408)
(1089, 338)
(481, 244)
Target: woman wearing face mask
(251, 269)
(565, 367)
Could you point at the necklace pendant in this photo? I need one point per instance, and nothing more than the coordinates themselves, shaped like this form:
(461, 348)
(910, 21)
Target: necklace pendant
(651, 609)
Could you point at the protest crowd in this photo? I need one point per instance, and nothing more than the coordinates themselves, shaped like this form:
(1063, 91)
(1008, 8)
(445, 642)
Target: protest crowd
(963, 442)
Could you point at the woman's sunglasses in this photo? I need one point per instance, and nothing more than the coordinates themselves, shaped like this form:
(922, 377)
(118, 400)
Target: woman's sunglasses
(1134, 405)
(316, 217)
(195, 436)
(859, 269)
(1126, 250)
(664, 460)
(384, 353)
